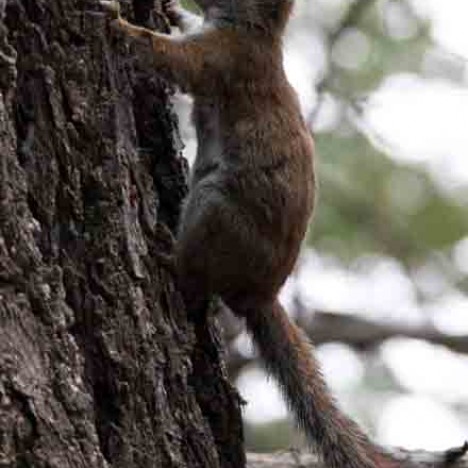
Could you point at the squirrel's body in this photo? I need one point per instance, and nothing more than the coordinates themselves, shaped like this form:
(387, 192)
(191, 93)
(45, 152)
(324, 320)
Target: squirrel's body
(251, 196)
(252, 179)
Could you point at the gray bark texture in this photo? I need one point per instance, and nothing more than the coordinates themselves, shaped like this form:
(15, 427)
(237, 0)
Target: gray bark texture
(99, 366)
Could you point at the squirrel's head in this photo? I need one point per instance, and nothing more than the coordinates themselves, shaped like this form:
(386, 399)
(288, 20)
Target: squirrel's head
(266, 15)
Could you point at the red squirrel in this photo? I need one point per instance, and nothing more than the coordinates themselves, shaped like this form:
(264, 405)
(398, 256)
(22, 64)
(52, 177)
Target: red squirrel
(251, 196)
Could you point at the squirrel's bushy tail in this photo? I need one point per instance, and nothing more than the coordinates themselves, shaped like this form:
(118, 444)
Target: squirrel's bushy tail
(287, 355)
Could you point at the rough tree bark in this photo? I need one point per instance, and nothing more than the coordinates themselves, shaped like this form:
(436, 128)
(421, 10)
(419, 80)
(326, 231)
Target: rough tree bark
(99, 366)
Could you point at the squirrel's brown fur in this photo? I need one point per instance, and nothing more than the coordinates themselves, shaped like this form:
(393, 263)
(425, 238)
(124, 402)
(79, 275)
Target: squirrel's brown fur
(251, 196)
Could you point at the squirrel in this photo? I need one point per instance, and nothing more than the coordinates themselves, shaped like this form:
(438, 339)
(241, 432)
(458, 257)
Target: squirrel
(251, 196)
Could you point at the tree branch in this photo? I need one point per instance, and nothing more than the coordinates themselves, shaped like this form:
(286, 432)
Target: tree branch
(455, 458)
(357, 332)
(363, 333)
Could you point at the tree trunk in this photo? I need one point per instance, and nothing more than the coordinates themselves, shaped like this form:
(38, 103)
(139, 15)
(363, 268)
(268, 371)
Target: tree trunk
(99, 366)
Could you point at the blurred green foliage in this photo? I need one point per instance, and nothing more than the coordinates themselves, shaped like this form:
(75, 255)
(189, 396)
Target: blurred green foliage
(368, 202)
(190, 4)
(270, 436)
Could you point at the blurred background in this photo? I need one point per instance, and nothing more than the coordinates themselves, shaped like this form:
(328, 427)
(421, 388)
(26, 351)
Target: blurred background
(382, 284)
